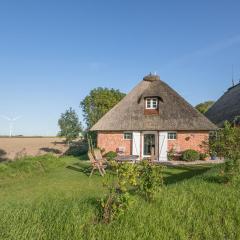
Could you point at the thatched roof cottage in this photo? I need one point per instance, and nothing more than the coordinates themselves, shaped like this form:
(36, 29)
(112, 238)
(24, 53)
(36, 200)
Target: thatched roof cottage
(152, 115)
(227, 107)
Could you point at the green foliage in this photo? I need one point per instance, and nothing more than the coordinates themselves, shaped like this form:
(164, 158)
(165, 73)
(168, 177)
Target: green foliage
(190, 155)
(77, 149)
(113, 205)
(226, 143)
(69, 124)
(150, 180)
(98, 102)
(171, 155)
(118, 199)
(127, 175)
(203, 107)
(110, 155)
(62, 205)
(236, 121)
(28, 166)
(203, 156)
(232, 171)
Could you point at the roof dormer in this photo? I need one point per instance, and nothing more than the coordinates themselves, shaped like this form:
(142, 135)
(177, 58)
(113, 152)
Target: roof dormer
(151, 105)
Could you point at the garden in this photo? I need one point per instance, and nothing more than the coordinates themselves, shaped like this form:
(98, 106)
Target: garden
(50, 197)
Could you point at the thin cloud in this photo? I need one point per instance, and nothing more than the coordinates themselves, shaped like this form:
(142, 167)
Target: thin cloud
(207, 51)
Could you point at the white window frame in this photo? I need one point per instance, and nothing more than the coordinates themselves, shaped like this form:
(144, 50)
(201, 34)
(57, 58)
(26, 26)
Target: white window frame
(153, 101)
(170, 138)
(124, 136)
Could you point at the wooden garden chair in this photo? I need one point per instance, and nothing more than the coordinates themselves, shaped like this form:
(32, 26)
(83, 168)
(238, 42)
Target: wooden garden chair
(96, 165)
(153, 156)
(98, 156)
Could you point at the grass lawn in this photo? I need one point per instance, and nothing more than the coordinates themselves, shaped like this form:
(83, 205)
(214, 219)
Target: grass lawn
(55, 199)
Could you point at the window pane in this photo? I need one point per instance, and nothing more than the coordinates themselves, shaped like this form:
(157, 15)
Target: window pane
(154, 103)
(127, 136)
(151, 103)
(148, 103)
(172, 135)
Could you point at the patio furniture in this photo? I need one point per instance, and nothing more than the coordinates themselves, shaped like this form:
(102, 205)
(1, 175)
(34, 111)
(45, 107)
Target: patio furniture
(98, 156)
(152, 159)
(127, 158)
(121, 151)
(96, 165)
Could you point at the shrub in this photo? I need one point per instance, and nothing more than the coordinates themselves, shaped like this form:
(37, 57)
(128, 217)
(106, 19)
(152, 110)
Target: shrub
(110, 155)
(150, 180)
(232, 171)
(113, 205)
(118, 199)
(203, 156)
(77, 149)
(226, 143)
(145, 178)
(190, 155)
(171, 155)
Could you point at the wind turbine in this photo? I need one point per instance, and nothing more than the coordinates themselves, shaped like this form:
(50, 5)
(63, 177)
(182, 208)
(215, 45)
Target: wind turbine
(11, 121)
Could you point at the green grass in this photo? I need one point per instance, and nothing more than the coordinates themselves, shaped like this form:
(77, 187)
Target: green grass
(50, 198)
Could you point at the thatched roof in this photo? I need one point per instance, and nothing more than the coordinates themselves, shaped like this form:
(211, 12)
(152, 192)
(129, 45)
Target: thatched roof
(227, 107)
(174, 112)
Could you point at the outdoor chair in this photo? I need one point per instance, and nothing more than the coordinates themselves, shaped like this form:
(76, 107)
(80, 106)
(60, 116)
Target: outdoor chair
(121, 151)
(153, 156)
(98, 156)
(96, 165)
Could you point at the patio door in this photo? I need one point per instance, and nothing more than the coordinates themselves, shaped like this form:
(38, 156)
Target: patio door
(149, 142)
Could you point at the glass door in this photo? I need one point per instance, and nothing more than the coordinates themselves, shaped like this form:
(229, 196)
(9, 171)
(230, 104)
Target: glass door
(149, 143)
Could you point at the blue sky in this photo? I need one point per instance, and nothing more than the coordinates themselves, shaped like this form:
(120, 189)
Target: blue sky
(52, 53)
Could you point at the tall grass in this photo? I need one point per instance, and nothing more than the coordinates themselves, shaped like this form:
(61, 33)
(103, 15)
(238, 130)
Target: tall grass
(61, 204)
(29, 166)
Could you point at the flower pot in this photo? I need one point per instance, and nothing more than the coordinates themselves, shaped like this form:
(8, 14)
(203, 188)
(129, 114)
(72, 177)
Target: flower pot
(213, 157)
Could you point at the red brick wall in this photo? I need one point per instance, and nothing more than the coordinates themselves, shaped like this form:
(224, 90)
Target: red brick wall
(110, 141)
(188, 140)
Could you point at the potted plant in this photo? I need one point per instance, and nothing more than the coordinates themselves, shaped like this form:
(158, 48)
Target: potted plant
(213, 155)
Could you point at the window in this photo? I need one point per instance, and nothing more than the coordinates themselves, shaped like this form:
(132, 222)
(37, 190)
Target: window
(127, 136)
(172, 135)
(151, 103)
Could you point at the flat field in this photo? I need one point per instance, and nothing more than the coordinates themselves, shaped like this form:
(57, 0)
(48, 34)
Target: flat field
(11, 148)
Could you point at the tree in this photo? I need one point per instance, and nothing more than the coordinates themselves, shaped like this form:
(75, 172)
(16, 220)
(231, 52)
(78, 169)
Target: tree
(203, 107)
(69, 124)
(226, 143)
(98, 102)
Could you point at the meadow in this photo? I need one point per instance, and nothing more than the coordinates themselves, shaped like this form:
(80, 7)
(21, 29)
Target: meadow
(47, 197)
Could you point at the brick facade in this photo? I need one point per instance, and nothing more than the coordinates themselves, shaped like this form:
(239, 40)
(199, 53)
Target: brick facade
(111, 141)
(188, 140)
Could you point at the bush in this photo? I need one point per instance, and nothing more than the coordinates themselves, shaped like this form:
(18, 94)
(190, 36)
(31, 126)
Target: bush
(190, 155)
(77, 149)
(171, 155)
(203, 156)
(118, 199)
(232, 171)
(113, 206)
(110, 155)
(150, 180)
